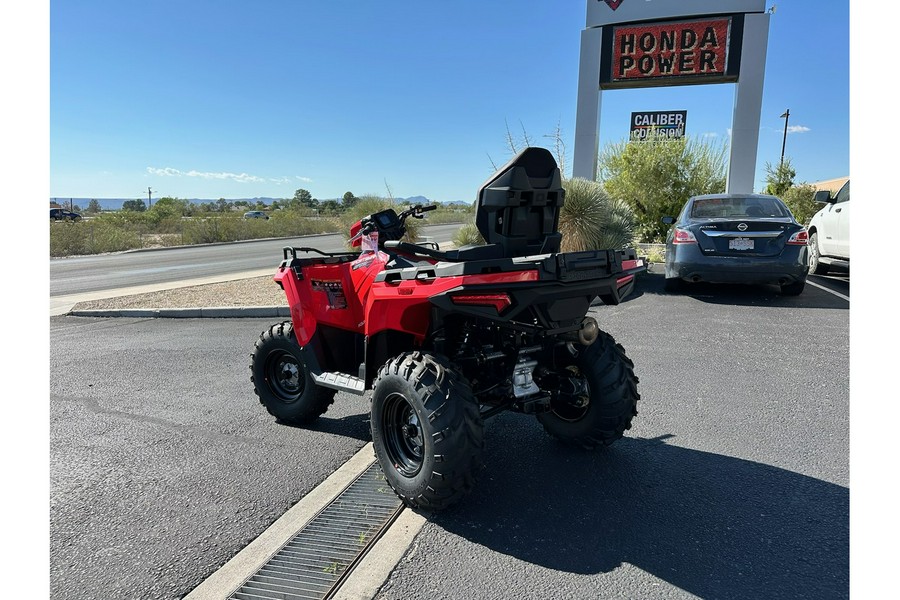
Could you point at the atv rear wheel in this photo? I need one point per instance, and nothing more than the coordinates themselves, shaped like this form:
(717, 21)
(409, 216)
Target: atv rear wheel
(427, 430)
(599, 400)
(282, 380)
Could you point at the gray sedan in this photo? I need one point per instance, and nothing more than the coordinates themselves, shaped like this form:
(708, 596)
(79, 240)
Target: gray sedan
(736, 238)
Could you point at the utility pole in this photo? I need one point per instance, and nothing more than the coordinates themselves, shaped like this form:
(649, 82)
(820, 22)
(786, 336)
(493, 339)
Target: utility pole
(150, 200)
(786, 116)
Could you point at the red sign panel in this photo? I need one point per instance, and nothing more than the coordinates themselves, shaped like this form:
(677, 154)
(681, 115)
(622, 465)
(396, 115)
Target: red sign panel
(679, 50)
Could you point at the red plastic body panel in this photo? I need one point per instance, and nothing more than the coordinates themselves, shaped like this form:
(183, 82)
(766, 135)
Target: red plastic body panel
(344, 295)
(331, 294)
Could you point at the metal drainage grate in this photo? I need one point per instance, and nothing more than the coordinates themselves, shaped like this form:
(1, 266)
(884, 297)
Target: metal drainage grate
(314, 562)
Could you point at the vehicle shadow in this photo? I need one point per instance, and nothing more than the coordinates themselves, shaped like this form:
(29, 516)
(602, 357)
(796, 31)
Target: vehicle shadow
(352, 426)
(713, 525)
(742, 295)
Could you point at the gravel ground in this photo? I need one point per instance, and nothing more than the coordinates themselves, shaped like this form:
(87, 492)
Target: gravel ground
(256, 291)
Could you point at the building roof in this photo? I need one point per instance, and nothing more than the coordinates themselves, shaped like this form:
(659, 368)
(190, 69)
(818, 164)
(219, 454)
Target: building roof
(832, 185)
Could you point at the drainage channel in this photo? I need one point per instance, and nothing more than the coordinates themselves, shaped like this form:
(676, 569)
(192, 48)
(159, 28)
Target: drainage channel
(313, 564)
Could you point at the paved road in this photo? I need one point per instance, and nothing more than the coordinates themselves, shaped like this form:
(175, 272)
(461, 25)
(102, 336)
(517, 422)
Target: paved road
(733, 482)
(82, 274)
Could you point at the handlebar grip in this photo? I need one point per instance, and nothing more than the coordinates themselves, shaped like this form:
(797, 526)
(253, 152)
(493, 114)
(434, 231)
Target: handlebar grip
(427, 208)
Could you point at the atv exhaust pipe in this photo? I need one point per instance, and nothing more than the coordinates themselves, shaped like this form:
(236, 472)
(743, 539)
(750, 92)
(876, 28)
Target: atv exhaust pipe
(587, 334)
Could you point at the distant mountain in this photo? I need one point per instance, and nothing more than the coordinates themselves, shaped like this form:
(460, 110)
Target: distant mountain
(414, 200)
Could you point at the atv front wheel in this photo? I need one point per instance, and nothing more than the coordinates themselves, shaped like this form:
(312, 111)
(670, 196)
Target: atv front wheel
(597, 398)
(427, 430)
(282, 380)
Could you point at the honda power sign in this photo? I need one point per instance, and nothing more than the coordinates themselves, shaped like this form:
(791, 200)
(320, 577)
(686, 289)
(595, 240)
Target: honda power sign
(643, 43)
(671, 53)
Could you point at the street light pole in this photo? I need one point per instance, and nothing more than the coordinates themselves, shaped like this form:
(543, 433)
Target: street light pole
(150, 201)
(786, 116)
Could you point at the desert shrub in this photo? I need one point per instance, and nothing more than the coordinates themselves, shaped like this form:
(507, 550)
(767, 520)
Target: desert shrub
(799, 199)
(92, 237)
(468, 235)
(591, 220)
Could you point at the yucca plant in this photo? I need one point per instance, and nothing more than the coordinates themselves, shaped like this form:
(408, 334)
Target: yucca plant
(468, 235)
(591, 220)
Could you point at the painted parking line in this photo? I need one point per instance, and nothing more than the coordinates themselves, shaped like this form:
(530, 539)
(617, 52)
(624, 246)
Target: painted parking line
(830, 291)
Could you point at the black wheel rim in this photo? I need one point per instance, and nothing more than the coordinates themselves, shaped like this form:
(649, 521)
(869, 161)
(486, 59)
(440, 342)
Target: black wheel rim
(403, 437)
(574, 397)
(286, 376)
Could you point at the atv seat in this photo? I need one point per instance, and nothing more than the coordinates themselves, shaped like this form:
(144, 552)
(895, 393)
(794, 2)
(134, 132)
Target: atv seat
(517, 209)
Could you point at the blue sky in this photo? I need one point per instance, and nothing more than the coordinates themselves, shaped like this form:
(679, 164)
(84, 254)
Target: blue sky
(241, 99)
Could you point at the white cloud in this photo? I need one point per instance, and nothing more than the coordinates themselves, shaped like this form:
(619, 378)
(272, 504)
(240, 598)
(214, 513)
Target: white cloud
(797, 129)
(710, 134)
(239, 177)
(280, 180)
(303, 179)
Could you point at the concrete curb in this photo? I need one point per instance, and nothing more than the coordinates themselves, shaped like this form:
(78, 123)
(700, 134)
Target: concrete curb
(221, 312)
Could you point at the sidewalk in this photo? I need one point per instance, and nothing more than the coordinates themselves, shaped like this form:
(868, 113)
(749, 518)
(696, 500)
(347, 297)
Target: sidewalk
(248, 294)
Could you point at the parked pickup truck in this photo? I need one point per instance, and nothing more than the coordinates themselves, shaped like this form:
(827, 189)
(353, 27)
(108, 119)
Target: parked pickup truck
(829, 232)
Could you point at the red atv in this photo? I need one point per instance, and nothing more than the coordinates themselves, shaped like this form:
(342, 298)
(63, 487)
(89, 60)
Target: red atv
(447, 339)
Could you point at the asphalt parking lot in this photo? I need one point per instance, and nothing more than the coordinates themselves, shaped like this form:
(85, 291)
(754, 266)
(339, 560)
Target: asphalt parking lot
(733, 482)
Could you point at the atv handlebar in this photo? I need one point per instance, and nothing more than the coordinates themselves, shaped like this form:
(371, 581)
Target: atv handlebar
(387, 223)
(416, 211)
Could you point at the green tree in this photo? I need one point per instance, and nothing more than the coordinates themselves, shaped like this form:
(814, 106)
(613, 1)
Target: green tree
(799, 199)
(94, 207)
(170, 208)
(655, 177)
(349, 199)
(330, 207)
(303, 199)
(134, 205)
(779, 179)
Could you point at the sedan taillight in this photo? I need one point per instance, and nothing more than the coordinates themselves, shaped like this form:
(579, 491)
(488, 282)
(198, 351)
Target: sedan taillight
(801, 238)
(683, 236)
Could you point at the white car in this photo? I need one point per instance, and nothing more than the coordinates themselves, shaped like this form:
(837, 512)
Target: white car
(829, 232)
(256, 214)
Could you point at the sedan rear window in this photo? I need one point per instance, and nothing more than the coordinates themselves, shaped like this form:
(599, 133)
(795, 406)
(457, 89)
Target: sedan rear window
(726, 208)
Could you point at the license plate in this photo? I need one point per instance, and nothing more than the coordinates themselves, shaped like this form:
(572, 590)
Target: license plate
(740, 244)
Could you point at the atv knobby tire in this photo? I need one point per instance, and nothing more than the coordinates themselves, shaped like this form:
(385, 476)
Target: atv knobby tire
(427, 430)
(611, 385)
(282, 380)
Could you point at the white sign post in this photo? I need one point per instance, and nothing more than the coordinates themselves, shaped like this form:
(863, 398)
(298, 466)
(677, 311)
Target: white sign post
(707, 41)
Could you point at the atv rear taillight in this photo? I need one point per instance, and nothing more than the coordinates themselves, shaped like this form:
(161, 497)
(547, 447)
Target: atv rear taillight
(499, 301)
(683, 236)
(801, 238)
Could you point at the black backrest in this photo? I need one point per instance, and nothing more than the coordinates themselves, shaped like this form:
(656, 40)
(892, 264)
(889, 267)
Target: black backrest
(518, 207)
